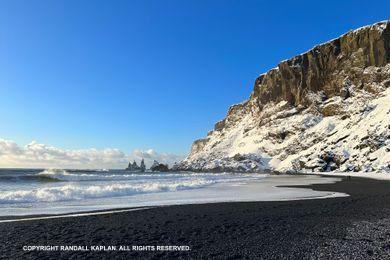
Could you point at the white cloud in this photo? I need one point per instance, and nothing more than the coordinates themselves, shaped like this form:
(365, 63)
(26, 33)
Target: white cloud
(36, 155)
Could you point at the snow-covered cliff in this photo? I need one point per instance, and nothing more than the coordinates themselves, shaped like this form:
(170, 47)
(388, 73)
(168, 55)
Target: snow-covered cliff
(326, 109)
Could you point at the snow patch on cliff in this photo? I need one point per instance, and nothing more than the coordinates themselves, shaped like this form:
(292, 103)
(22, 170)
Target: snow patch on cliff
(342, 134)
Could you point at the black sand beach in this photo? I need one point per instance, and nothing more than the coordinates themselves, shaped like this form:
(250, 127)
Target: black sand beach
(355, 227)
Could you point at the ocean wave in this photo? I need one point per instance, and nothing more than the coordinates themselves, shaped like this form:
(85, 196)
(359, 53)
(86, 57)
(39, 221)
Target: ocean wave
(64, 175)
(71, 192)
(28, 177)
(75, 176)
(60, 175)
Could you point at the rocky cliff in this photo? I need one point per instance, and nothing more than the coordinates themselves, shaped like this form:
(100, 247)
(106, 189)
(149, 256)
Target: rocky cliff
(326, 109)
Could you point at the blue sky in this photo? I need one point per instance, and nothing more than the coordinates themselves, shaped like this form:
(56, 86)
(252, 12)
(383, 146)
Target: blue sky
(148, 74)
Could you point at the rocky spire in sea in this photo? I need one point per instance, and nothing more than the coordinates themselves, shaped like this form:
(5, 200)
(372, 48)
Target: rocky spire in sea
(142, 166)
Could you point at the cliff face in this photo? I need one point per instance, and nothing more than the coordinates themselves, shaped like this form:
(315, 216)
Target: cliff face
(325, 67)
(297, 109)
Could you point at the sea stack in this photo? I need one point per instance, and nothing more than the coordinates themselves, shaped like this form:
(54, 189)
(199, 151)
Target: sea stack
(135, 168)
(159, 167)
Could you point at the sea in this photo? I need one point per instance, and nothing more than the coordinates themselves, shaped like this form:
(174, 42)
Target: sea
(62, 191)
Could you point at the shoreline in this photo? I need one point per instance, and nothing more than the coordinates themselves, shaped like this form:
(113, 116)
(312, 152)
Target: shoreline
(297, 184)
(315, 187)
(269, 229)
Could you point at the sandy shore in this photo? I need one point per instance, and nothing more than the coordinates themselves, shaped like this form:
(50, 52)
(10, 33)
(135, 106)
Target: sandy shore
(347, 227)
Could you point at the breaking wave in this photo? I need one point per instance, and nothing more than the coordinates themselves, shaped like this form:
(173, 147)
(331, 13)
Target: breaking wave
(76, 176)
(55, 185)
(78, 192)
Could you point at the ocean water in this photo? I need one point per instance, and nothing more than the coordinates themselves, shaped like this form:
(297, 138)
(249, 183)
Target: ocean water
(57, 191)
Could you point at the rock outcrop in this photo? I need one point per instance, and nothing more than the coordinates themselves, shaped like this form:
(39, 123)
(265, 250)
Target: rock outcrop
(133, 167)
(326, 109)
(159, 167)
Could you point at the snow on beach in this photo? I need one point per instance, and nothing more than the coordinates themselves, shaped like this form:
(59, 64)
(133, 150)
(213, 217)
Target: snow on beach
(370, 175)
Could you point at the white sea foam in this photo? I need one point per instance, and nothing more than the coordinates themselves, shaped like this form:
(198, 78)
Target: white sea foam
(78, 192)
(30, 193)
(63, 175)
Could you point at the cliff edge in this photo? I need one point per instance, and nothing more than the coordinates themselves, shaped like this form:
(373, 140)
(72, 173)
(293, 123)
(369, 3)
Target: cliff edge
(324, 110)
